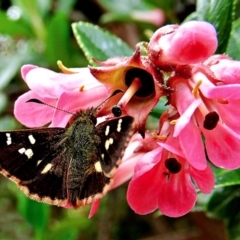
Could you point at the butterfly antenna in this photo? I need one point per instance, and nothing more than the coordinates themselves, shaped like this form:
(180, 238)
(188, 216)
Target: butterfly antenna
(113, 94)
(34, 100)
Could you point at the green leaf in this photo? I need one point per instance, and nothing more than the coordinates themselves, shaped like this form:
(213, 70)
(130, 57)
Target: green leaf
(10, 65)
(224, 202)
(64, 6)
(32, 14)
(3, 102)
(221, 15)
(158, 110)
(69, 227)
(35, 213)
(44, 6)
(124, 6)
(164, 5)
(58, 39)
(226, 178)
(14, 28)
(97, 43)
(113, 16)
(233, 48)
(8, 123)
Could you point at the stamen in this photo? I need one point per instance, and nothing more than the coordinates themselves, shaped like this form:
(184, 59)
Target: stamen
(159, 137)
(81, 89)
(133, 88)
(195, 90)
(147, 88)
(173, 122)
(64, 69)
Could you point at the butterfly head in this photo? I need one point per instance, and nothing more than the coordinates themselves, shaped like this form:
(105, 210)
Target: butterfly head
(84, 116)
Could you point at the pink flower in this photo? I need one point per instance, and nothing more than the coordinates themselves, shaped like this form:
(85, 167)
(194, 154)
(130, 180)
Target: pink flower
(69, 92)
(191, 42)
(140, 82)
(163, 179)
(126, 169)
(210, 98)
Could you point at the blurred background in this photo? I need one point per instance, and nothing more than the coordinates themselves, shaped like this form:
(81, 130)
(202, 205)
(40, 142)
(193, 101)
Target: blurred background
(28, 31)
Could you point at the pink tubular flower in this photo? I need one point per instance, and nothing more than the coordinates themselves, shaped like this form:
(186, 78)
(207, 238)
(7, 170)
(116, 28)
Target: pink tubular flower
(191, 42)
(69, 92)
(208, 106)
(205, 95)
(163, 179)
(140, 82)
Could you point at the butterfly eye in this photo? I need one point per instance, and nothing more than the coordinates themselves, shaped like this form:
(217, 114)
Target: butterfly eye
(117, 111)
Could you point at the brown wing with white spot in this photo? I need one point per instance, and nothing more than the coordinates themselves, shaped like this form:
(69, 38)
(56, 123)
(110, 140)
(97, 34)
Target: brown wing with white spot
(115, 135)
(34, 160)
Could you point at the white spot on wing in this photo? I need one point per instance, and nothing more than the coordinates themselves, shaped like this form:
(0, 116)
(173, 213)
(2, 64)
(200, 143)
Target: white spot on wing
(9, 139)
(47, 168)
(38, 162)
(29, 153)
(31, 139)
(21, 150)
(108, 143)
(107, 130)
(119, 126)
(98, 167)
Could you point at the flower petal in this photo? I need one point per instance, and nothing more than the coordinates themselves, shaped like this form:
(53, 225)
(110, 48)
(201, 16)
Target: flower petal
(51, 84)
(185, 103)
(26, 69)
(33, 114)
(192, 146)
(147, 162)
(75, 101)
(203, 178)
(177, 196)
(228, 114)
(94, 208)
(125, 171)
(143, 191)
(227, 92)
(227, 70)
(186, 117)
(185, 44)
(223, 146)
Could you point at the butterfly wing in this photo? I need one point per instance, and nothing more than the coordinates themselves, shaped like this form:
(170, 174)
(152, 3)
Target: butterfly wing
(87, 186)
(115, 135)
(35, 161)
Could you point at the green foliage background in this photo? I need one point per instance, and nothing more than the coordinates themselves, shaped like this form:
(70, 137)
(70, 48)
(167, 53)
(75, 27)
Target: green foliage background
(28, 31)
